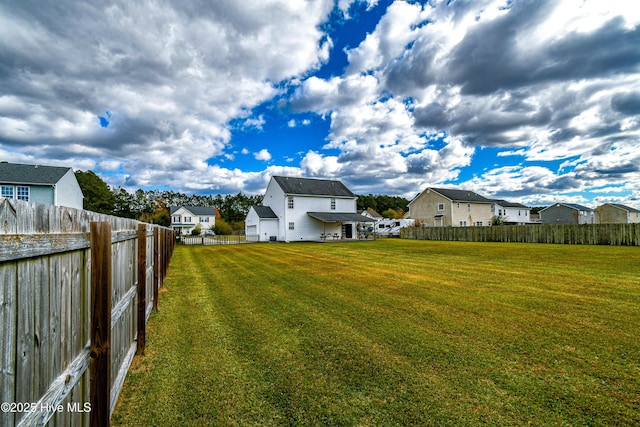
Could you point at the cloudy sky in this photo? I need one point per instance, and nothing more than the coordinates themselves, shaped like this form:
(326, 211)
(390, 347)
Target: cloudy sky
(531, 100)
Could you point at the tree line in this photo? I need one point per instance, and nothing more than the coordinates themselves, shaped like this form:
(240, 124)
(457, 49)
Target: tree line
(153, 205)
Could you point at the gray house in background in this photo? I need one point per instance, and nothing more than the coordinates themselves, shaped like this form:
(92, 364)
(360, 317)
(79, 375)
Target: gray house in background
(51, 185)
(567, 213)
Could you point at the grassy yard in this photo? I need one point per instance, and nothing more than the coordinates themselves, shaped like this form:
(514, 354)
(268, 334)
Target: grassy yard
(392, 332)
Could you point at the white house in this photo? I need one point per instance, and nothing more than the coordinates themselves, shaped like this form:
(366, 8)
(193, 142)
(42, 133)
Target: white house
(512, 213)
(267, 221)
(51, 185)
(372, 214)
(304, 209)
(185, 218)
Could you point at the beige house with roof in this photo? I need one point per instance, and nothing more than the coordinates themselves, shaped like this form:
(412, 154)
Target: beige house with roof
(445, 207)
(615, 213)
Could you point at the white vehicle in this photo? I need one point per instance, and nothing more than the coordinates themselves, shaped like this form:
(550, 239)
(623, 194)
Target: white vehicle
(391, 227)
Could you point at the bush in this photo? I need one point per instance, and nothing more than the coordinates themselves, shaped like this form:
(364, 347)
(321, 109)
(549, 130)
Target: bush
(221, 228)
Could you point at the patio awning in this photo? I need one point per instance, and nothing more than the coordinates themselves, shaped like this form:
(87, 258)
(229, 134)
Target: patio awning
(339, 217)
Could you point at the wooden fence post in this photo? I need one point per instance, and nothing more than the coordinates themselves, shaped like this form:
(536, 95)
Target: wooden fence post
(142, 288)
(100, 354)
(156, 267)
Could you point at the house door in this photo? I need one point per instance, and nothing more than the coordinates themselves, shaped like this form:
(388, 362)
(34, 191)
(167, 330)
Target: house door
(348, 231)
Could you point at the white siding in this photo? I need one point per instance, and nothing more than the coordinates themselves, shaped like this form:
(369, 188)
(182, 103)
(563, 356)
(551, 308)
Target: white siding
(264, 228)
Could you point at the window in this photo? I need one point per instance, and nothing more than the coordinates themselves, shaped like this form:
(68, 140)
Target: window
(493, 208)
(292, 226)
(519, 212)
(7, 192)
(468, 207)
(479, 223)
(187, 219)
(204, 219)
(290, 202)
(440, 206)
(458, 205)
(22, 193)
(333, 204)
(177, 219)
(463, 223)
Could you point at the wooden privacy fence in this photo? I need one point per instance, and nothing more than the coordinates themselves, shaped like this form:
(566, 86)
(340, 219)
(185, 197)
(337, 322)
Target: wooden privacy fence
(76, 290)
(584, 234)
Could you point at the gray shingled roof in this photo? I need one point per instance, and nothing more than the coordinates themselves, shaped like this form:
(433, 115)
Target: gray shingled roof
(265, 212)
(15, 173)
(624, 207)
(313, 187)
(196, 210)
(339, 217)
(574, 206)
(461, 195)
(507, 204)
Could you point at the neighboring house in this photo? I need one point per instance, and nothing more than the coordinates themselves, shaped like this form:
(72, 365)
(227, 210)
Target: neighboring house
(611, 213)
(303, 209)
(444, 207)
(371, 214)
(567, 213)
(185, 218)
(512, 213)
(51, 185)
(261, 224)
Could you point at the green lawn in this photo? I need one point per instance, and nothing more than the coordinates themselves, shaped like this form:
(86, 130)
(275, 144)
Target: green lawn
(392, 332)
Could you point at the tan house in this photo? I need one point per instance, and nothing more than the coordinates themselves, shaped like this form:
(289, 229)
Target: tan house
(615, 213)
(444, 207)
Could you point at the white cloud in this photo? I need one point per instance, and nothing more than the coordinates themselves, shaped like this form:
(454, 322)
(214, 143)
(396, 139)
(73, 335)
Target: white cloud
(263, 155)
(173, 76)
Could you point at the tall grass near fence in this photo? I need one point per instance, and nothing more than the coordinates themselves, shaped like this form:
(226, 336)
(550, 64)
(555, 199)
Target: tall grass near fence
(392, 332)
(584, 234)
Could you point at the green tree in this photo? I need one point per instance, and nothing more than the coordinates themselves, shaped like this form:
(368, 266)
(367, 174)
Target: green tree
(366, 202)
(97, 194)
(222, 228)
(497, 220)
(389, 213)
(123, 203)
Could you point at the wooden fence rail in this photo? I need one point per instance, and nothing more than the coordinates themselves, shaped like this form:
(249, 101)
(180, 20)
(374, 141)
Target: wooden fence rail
(584, 234)
(76, 289)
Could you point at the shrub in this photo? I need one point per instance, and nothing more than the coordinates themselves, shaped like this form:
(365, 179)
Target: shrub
(222, 228)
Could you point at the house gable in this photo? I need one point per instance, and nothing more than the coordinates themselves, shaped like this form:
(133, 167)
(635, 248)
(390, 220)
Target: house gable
(611, 213)
(567, 213)
(51, 185)
(450, 207)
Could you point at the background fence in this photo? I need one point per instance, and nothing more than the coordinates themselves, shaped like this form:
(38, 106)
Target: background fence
(76, 289)
(214, 240)
(585, 234)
